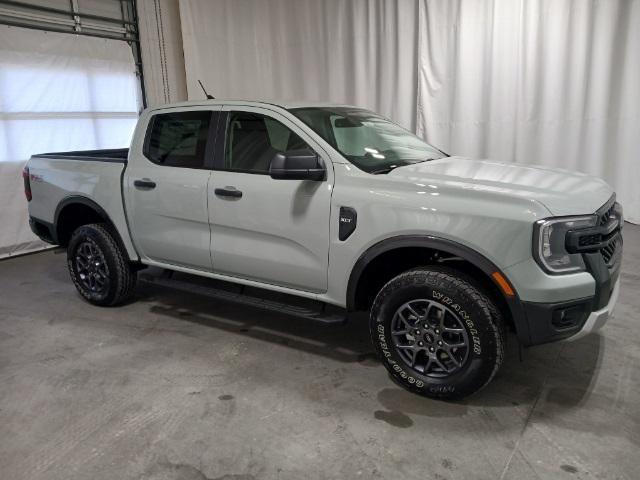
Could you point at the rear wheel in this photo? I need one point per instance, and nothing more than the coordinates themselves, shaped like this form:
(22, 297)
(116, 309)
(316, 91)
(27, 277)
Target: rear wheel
(437, 334)
(98, 266)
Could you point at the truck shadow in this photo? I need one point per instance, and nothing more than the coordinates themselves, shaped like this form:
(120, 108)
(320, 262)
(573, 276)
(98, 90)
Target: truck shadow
(564, 373)
(348, 342)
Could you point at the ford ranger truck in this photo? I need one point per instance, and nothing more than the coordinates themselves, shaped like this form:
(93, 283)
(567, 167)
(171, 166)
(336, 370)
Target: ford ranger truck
(347, 209)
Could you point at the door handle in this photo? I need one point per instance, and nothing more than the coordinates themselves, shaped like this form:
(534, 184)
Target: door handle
(228, 192)
(144, 183)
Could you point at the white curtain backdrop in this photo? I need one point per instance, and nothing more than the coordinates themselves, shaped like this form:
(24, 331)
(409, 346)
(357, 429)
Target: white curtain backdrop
(357, 52)
(57, 92)
(553, 82)
(161, 48)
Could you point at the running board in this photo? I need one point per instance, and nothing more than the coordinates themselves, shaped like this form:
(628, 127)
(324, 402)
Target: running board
(244, 299)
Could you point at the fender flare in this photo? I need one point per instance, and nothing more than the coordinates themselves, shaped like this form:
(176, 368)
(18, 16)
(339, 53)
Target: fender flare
(82, 200)
(451, 247)
(75, 199)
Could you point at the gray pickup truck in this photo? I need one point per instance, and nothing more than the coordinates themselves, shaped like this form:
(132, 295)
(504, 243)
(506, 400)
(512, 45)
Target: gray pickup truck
(343, 207)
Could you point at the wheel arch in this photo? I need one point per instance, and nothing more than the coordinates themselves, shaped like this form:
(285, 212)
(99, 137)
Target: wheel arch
(419, 250)
(76, 210)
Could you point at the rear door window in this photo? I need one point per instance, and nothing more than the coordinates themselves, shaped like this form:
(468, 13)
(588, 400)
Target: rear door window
(178, 139)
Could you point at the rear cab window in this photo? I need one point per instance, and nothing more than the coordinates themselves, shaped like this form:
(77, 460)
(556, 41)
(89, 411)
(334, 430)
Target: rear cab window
(178, 139)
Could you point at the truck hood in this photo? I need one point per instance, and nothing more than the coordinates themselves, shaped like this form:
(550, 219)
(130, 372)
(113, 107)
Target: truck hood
(562, 192)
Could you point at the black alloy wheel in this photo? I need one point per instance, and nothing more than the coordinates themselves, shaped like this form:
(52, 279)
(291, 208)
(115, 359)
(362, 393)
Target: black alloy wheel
(91, 267)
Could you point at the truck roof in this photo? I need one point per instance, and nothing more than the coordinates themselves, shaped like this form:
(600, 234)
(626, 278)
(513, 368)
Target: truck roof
(286, 104)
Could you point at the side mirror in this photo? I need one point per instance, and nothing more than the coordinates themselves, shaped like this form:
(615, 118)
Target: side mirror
(297, 165)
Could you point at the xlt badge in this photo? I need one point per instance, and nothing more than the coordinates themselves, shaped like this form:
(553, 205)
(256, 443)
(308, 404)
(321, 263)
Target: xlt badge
(348, 220)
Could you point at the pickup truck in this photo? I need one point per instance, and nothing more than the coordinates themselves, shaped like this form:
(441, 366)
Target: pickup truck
(341, 206)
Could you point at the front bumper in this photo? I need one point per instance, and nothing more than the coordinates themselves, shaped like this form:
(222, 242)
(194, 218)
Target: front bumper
(567, 320)
(596, 320)
(566, 311)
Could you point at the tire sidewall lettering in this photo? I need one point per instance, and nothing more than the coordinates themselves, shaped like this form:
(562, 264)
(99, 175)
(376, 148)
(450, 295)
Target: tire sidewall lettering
(464, 315)
(386, 353)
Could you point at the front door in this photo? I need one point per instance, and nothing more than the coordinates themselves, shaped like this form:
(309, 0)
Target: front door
(167, 185)
(272, 231)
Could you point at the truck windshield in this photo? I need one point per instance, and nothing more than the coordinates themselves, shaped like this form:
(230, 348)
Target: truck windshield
(367, 140)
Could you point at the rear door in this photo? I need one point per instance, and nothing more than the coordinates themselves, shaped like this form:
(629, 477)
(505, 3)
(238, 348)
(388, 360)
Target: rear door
(166, 184)
(272, 231)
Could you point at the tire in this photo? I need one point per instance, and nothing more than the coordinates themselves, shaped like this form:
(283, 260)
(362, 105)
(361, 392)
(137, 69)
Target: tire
(99, 267)
(418, 315)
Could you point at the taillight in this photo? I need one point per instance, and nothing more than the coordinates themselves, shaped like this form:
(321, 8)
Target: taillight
(27, 183)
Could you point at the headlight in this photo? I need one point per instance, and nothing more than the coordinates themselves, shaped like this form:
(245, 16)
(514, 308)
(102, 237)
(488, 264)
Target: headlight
(549, 243)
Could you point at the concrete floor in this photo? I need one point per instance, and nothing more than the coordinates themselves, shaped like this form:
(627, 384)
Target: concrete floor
(179, 386)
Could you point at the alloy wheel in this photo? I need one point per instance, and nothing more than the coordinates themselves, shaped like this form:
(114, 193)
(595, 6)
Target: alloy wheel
(91, 267)
(430, 338)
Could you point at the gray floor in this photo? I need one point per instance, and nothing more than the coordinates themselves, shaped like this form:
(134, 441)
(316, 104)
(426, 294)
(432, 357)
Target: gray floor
(178, 386)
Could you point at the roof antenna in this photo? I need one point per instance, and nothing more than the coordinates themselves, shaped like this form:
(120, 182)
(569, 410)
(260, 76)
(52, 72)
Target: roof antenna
(209, 97)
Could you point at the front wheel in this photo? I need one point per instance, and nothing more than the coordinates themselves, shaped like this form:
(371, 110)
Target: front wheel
(98, 266)
(437, 334)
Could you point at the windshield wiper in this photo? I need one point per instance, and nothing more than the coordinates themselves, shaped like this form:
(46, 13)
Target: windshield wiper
(425, 160)
(383, 170)
(392, 167)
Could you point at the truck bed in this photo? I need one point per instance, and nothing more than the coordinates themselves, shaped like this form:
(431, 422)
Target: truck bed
(117, 155)
(91, 177)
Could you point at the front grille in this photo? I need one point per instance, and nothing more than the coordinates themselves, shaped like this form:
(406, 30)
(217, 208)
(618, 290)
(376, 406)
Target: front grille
(606, 215)
(610, 252)
(586, 240)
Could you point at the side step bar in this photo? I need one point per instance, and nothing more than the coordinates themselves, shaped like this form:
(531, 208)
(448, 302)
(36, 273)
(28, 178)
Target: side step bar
(249, 300)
